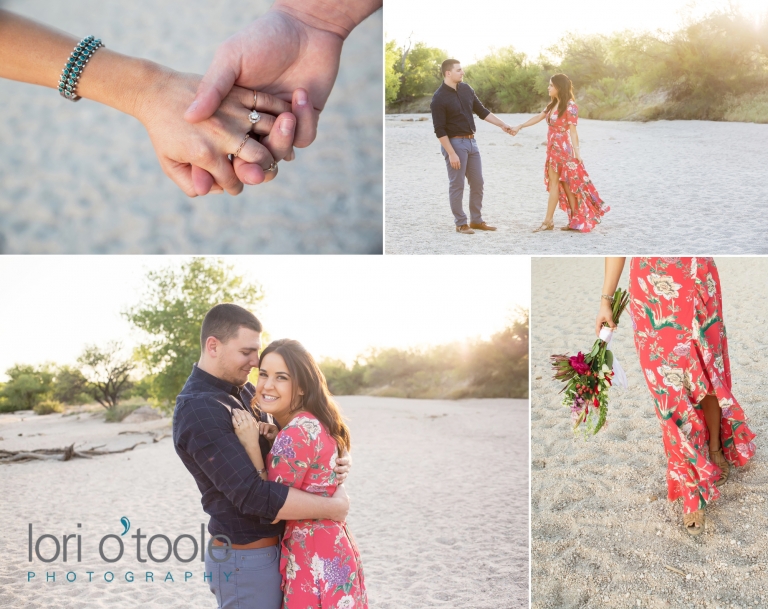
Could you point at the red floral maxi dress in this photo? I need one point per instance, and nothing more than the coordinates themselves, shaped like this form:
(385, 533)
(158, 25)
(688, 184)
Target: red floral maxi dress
(319, 560)
(677, 316)
(589, 206)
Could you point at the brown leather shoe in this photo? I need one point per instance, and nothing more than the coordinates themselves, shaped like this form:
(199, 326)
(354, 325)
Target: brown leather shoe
(465, 229)
(481, 226)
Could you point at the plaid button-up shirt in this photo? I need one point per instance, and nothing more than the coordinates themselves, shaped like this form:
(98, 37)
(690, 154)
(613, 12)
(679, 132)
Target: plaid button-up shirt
(241, 505)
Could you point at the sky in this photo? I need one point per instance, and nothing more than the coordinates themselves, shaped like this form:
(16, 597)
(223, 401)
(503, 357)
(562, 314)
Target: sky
(467, 31)
(51, 307)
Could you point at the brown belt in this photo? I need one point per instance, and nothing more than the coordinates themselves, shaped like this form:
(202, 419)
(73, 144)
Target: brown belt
(259, 543)
(463, 137)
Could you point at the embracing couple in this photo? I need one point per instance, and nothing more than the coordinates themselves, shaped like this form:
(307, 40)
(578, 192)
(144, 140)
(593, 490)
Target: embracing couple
(260, 97)
(565, 177)
(269, 461)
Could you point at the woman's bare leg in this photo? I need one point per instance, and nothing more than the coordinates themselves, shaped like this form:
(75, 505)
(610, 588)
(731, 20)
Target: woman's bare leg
(571, 199)
(554, 195)
(712, 416)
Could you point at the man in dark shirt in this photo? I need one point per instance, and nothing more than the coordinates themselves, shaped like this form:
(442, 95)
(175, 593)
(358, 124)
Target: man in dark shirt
(452, 107)
(244, 510)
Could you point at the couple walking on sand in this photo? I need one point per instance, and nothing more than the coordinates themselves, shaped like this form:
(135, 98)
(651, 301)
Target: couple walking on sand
(267, 462)
(565, 177)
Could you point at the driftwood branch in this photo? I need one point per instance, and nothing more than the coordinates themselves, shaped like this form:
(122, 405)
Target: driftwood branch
(60, 454)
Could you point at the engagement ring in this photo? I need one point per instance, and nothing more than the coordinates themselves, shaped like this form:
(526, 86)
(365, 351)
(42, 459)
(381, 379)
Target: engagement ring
(254, 117)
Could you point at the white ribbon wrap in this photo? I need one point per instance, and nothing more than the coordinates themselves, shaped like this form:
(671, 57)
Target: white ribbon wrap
(619, 376)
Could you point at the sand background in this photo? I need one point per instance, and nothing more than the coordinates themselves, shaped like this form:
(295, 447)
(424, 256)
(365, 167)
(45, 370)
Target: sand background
(84, 179)
(602, 528)
(673, 186)
(439, 507)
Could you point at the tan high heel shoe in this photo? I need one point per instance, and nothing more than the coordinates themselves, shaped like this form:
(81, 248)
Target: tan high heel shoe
(545, 226)
(694, 522)
(719, 459)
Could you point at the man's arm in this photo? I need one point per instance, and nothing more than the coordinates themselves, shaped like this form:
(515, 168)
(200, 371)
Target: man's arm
(485, 114)
(495, 120)
(453, 158)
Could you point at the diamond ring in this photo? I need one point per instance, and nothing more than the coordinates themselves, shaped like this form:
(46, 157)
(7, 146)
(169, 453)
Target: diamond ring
(254, 117)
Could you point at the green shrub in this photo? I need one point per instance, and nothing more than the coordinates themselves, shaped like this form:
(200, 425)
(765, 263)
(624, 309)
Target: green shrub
(119, 412)
(48, 407)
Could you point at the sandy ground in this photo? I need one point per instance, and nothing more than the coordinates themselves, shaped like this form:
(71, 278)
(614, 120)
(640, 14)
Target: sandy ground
(602, 528)
(439, 492)
(83, 178)
(677, 187)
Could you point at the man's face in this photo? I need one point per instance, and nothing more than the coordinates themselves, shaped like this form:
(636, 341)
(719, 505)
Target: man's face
(455, 74)
(238, 356)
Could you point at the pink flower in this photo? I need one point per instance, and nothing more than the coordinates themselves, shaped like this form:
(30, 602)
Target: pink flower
(682, 349)
(578, 363)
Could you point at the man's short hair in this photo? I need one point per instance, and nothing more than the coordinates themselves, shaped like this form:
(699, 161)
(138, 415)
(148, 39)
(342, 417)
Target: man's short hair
(225, 320)
(447, 66)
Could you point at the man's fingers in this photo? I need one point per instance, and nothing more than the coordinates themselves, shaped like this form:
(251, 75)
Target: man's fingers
(214, 87)
(180, 173)
(306, 119)
(201, 180)
(280, 140)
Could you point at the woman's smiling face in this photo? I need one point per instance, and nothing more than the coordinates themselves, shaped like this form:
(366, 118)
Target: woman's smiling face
(274, 390)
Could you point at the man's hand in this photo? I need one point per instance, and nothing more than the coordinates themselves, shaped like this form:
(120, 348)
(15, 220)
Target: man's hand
(341, 505)
(343, 464)
(507, 129)
(454, 160)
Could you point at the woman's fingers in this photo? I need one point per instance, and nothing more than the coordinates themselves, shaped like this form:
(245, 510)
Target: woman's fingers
(280, 139)
(224, 175)
(263, 102)
(250, 166)
(248, 173)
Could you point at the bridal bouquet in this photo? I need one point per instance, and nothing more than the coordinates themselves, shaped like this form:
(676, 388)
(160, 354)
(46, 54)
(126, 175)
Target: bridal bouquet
(587, 377)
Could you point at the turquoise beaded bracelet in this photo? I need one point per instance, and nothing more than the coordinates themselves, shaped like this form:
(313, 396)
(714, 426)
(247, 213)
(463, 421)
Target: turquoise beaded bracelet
(75, 66)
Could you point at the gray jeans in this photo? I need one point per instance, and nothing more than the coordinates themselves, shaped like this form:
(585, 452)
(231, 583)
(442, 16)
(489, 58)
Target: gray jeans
(249, 579)
(472, 169)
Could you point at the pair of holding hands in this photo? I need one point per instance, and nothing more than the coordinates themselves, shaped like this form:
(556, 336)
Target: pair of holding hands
(279, 66)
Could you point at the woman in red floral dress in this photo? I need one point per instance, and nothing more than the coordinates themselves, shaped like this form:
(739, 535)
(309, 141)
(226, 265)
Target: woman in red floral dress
(319, 561)
(564, 175)
(677, 315)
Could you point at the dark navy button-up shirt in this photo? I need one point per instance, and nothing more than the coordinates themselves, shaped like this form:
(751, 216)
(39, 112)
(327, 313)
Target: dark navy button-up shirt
(452, 110)
(241, 505)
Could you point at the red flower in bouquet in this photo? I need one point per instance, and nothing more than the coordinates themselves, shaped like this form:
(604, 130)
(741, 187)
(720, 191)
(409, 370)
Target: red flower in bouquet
(578, 363)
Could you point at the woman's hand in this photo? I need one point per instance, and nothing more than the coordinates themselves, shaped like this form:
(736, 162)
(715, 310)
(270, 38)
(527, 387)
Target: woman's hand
(268, 430)
(246, 427)
(181, 146)
(605, 315)
(343, 463)
(577, 155)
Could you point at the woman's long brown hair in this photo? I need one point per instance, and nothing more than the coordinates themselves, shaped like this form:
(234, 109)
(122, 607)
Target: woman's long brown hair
(307, 376)
(564, 93)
